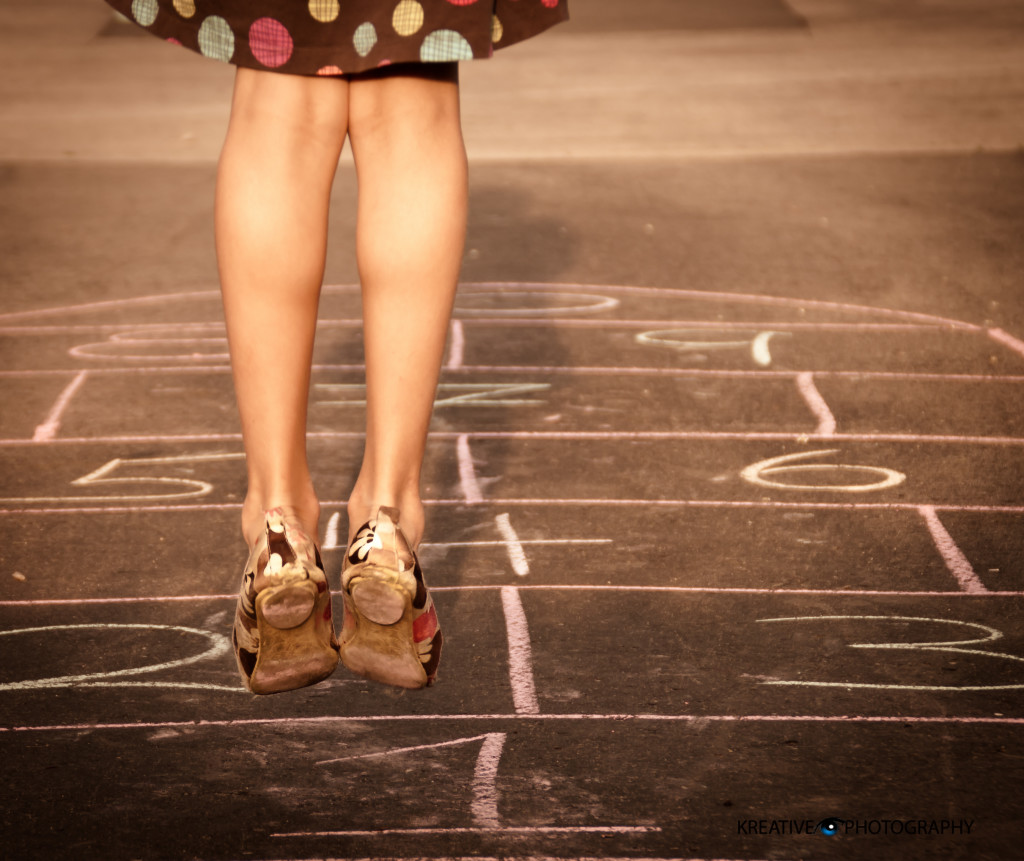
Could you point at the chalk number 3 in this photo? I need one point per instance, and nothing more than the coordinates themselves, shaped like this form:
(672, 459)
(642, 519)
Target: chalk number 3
(948, 646)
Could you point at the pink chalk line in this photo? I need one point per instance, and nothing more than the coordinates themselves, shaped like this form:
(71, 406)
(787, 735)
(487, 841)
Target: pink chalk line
(652, 436)
(651, 718)
(155, 299)
(47, 431)
(457, 347)
(747, 298)
(561, 370)
(502, 322)
(1007, 340)
(664, 323)
(496, 830)
(781, 592)
(631, 503)
(816, 404)
(958, 564)
(496, 286)
(507, 857)
(467, 472)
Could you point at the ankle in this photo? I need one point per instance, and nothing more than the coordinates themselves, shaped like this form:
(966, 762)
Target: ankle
(364, 508)
(254, 509)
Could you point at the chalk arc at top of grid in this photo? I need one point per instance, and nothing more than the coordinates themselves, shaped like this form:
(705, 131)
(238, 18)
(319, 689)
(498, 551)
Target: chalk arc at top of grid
(600, 297)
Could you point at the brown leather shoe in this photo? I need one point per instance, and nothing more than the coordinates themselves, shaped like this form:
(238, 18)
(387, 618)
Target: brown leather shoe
(390, 633)
(283, 633)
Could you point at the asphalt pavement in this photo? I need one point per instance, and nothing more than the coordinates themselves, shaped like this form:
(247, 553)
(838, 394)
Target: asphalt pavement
(725, 482)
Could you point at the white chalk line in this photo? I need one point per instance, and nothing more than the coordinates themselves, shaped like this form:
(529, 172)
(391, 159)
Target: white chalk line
(697, 590)
(467, 473)
(111, 349)
(817, 405)
(47, 430)
(203, 686)
(394, 751)
(759, 347)
(643, 436)
(947, 646)
(241, 723)
(331, 535)
(100, 476)
(484, 807)
(958, 564)
(591, 304)
(513, 546)
(447, 394)
(218, 646)
(788, 463)
(520, 655)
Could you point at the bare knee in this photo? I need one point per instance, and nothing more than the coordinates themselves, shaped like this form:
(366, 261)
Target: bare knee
(396, 113)
(314, 110)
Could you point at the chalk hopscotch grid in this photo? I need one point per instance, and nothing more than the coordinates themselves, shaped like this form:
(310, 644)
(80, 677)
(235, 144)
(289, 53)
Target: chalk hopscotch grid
(518, 636)
(826, 428)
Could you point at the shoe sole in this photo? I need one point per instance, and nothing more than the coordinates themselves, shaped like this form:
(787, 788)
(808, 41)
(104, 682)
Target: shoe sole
(382, 648)
(292, 653)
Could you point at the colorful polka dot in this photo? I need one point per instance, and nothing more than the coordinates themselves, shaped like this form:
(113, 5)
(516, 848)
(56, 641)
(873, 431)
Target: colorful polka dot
(445, 46)
(364, 39)
(216, 40)
(270, 42)
(324, 10)
(408, 17)
(144, 11)
(333, 38)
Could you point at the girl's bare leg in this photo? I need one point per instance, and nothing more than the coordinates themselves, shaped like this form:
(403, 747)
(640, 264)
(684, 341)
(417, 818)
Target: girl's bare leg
(411, 166)
(273, 186)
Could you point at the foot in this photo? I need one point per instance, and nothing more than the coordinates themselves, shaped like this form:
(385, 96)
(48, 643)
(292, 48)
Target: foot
(304, 510)
(363, 508)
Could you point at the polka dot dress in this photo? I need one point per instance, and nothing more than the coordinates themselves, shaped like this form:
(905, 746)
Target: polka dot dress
(333, 37)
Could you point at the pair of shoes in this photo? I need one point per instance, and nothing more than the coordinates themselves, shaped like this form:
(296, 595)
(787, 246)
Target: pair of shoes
(390, 633)
(283, 632)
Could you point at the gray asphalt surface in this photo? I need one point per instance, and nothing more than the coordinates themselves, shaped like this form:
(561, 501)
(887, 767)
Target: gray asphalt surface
(725, 483)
